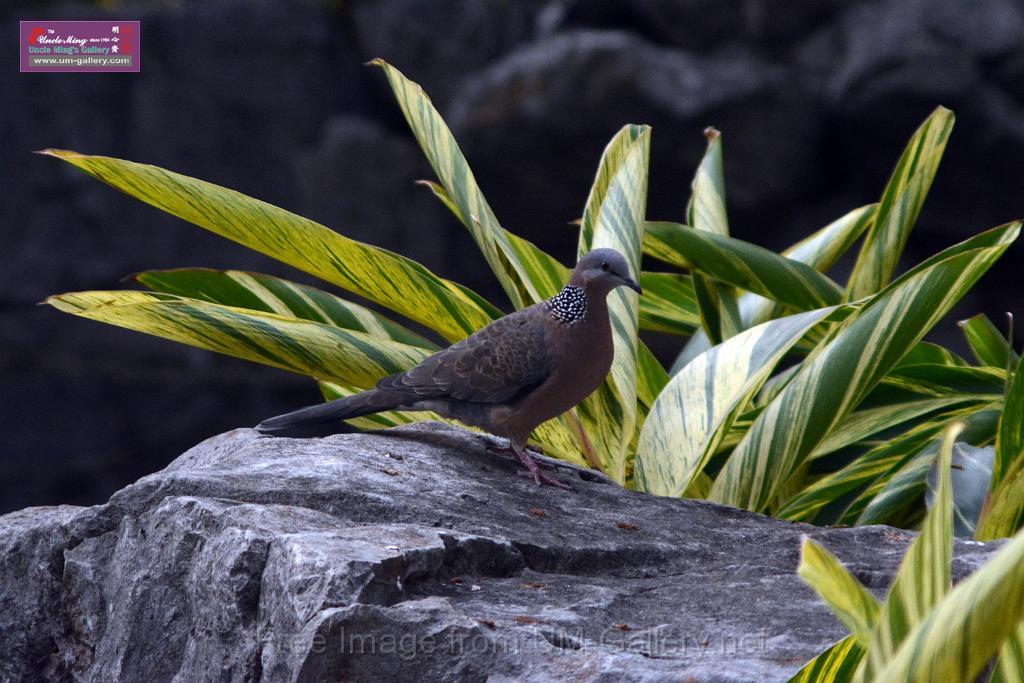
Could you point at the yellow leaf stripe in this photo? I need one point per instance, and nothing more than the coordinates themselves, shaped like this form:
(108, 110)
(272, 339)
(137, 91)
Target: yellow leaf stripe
(693, 413)
(742, 264)
(381, 276)
(609, 415)
(322, 351)
(835, 665)
(958, 637)
(844, 594)
(924, 575)
(900, 205)
(464, 197)
(269, 294)
(833, 380)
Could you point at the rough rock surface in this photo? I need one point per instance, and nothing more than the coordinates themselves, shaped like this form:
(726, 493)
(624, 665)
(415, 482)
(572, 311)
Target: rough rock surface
(410, 554)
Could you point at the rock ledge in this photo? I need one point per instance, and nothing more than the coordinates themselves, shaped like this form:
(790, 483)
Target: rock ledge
(410, 554)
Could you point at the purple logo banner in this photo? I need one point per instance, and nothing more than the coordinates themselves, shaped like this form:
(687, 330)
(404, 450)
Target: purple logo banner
(86, 46)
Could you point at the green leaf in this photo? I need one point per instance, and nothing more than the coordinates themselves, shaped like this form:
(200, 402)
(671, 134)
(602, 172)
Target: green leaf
(616, 208)
(1004, 514)
(835, 379)
(269, 294)
(820, 251)
(1010, 664)
(322, 351)
(381, 276)
(1010, 435)
(966, 629)
(932, 354)
(518, 274)
(695, 410)
(924, 574)
(901, 490)
(875, 465)
(837, 664)
(987, 343)
(719, 316)
(847, 598)
(862, 424)
(971, 471)
(668, 304)
(900, 205)
(742, 264)
(705, 211)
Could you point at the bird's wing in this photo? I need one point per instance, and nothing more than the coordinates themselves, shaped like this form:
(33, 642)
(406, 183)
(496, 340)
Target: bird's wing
(495, 364)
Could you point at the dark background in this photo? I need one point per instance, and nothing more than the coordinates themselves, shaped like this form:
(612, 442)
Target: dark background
(815, 99)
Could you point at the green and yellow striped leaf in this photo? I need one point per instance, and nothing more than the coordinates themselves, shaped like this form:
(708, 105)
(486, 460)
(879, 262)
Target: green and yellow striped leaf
(836, 378)
(897, 497)
(1010, 664)
(690, 418)
(845, 596)
(705, 211)
(900, 205)
(464, 197)
(668, 304)
(964, 631)
(923, 578)
(931, 354)
(872, 466)
(742, 264)
(987, 343)
(379, 275)
(1004, 514)
(258, 292)
(837, 664)
(321, 351)
(819, 251)
(609, 415)
(1010, 436)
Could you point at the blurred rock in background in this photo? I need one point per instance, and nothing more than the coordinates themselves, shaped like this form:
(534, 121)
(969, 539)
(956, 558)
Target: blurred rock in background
(815, 100)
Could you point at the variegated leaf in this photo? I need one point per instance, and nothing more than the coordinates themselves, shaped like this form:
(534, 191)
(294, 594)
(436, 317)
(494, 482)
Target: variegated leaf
(819, 251)
(923, 578)
(833, 381)
(609, 415)
(322, 351)
(899, 206)
(963, 632)
(695, 410)
(269, 294)
(845, 596)
(837, 664)
(742, 264)
(381, 276)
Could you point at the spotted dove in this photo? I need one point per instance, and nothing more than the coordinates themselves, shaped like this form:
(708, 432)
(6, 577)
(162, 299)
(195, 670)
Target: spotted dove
(510, 376)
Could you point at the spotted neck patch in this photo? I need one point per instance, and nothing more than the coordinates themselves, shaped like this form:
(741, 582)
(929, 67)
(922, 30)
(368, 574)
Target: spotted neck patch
(568, 306)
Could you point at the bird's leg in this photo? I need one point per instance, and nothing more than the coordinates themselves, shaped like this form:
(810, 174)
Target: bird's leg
(532, 465)
(505, 450)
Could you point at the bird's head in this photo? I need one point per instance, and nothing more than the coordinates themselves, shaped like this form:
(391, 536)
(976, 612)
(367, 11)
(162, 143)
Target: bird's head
(602, 270)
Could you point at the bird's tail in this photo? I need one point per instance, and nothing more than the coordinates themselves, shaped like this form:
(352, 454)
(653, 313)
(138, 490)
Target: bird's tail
(364, 403)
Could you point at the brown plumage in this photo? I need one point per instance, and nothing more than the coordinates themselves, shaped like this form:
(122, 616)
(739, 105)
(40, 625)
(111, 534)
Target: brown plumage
(510, 376)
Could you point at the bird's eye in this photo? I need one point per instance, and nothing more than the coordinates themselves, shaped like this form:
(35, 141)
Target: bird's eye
(604, 266)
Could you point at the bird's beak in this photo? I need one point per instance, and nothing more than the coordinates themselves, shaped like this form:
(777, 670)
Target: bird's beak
(632, 284)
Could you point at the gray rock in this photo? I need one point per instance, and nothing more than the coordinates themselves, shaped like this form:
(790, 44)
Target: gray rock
(410, 554)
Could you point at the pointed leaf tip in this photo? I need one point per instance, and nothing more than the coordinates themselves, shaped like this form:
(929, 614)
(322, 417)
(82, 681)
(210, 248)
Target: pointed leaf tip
(712, 133)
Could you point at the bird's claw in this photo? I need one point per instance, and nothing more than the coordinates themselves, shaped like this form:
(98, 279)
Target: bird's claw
(538, 476)
(505, 450)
